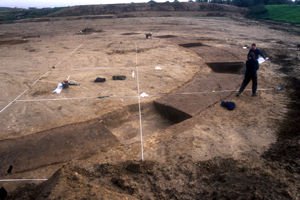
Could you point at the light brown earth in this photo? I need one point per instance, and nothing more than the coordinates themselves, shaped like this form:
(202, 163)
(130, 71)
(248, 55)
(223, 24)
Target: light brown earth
(40, 135)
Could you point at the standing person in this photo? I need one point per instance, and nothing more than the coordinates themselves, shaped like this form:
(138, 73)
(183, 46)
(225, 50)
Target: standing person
(251, 74)
(256, 52)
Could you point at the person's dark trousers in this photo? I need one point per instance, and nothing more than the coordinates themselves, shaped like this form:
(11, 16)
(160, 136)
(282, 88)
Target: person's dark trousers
(247, 79)
(254, 83)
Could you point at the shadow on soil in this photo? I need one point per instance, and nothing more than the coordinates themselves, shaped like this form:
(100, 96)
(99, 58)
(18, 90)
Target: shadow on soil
(226, 67)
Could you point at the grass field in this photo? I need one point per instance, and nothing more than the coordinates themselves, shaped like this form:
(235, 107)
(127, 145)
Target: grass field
(285, 13)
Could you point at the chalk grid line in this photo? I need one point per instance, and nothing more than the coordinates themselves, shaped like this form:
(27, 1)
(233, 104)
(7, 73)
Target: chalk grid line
(139, 101)
(35, 82)
(134, 96)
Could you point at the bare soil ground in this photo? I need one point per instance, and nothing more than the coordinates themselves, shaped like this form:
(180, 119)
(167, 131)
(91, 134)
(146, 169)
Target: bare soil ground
(214, 154)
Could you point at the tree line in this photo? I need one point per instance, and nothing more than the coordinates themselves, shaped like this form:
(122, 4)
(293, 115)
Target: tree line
(248, 3)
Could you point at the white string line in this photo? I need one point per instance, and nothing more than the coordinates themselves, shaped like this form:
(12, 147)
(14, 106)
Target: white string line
(20, 95)
(139, 100)
(219, 91)
(102, 68)
(74, 50)
(23, 180)
(58, 63)
(136, 96)
(13, 101)
(55, 99)
(33, 84)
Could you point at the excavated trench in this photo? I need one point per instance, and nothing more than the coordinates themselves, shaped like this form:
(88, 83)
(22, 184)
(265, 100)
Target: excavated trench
(226, 67)
(192, 44)
(169, 112)
(13, 41)
(130, 33)
(80, 140)
(166, 36)
(177, 107)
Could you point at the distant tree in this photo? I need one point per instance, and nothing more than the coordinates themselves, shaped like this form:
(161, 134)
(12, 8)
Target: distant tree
(218, 1)
(278, 1)
(177, 5)
(152, 4)
(247, 3)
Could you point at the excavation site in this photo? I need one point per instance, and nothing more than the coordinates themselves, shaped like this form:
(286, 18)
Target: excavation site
(131, 106)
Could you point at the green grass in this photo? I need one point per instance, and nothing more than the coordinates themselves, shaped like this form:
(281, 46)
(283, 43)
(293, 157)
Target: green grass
(284, 13)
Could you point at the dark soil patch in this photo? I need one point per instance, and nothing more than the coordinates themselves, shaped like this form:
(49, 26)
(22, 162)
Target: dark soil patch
(131, 33)
(226, 67)
(182, 179)
(40, 92)
(194, 44)
(215, 14)
(126, 51)
(87, 31)
(30, 36)
(284, 58)
(13, 42)
(77, 141)
(166, 36)
(280, 42)
(286, 69)
(287, 62)
(208, 39)
(285, 152)
(58, 145)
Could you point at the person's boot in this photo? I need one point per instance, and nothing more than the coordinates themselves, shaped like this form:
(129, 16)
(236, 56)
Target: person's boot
(238, 94)
(254, 95)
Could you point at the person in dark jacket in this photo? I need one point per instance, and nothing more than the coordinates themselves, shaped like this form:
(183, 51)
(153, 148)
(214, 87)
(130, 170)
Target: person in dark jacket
(256, 52)
(251, 74)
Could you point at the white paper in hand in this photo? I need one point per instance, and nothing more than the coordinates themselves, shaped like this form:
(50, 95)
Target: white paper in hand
(261, 60)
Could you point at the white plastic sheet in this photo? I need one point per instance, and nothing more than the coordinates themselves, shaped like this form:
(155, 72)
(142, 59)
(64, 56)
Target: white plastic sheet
(144, 94)
(158, 68)
(58, 89)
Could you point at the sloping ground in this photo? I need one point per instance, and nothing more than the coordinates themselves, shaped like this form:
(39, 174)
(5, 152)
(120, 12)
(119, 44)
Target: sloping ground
(142, 7)
(181, 179)
(285, 151)
(117, 10)
(77, 141)
(202, 92)
(55, 146)
(283, 13)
